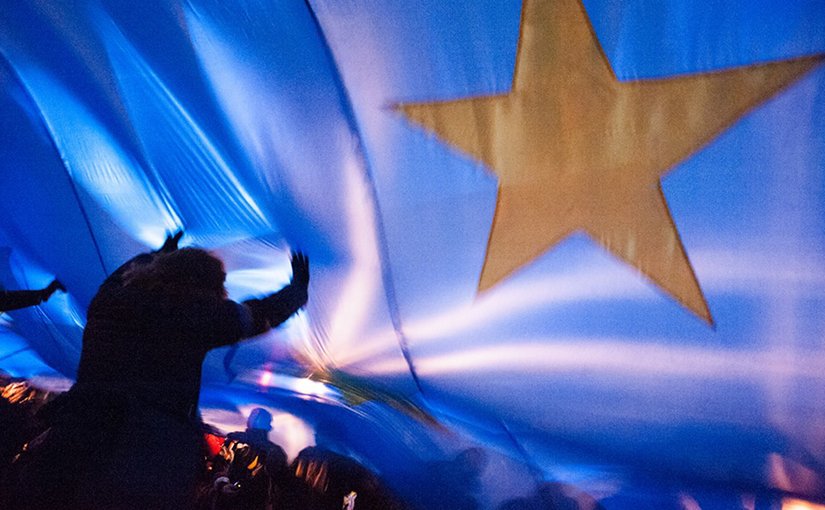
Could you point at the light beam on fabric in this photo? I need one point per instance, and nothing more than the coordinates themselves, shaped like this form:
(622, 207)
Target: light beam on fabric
(409, 149)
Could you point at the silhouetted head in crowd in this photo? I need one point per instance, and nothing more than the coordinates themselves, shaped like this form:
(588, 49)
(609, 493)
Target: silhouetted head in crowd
(187, 271)
(259, 419)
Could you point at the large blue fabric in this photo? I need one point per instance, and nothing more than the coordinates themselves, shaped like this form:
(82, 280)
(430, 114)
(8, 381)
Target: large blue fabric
(260, 126)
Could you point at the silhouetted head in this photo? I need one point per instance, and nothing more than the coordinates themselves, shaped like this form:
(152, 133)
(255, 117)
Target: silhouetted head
(259, 419)
(187, 271)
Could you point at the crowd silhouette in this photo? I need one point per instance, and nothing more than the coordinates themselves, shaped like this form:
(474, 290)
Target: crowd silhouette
(128, 435)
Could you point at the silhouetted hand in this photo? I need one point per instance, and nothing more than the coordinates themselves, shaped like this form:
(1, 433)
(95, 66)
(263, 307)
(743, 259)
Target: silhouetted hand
(53, 287)
(274, 309)
(171, 243)
(300, 279)
(300, 269)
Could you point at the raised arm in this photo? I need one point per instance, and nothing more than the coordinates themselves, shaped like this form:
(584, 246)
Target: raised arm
(276, 308)
(16, 299)
(228, 322)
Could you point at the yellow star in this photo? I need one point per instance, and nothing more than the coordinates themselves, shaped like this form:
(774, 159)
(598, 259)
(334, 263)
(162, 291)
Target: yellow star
(577, 150)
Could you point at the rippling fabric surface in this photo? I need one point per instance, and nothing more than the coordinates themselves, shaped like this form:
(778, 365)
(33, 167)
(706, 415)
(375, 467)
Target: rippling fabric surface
(672, 338)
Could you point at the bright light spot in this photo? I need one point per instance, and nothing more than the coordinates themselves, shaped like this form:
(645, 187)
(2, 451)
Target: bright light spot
(298, 385)
(310, 387)
(797, 504)
(266, 378)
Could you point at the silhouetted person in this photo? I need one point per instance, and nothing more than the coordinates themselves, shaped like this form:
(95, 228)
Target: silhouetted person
(16, 299)
(127, 434)
(250, 470)
(258, 426)
(324, 480)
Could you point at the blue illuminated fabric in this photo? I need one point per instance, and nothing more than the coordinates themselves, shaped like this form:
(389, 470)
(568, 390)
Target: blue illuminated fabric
(260, 126)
